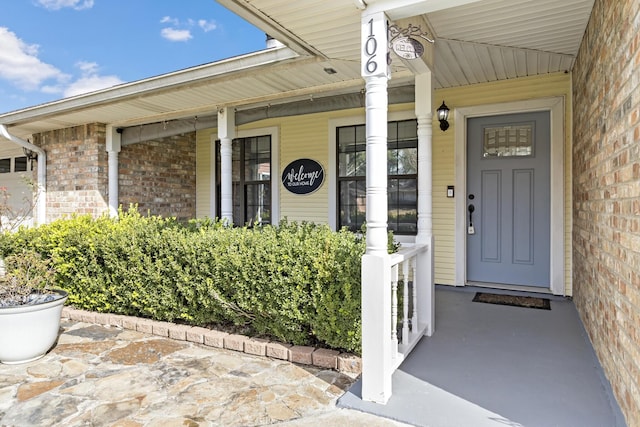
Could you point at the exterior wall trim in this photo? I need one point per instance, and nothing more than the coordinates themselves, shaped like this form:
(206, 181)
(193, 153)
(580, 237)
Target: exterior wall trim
(555, 105)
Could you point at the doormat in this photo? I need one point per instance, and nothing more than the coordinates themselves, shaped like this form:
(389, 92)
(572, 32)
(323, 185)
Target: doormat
(517, 301)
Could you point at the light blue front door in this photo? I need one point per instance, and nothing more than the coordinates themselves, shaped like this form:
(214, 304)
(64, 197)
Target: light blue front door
(508, 199)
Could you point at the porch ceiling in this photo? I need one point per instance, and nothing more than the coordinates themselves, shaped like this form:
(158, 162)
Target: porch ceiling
(479, 41)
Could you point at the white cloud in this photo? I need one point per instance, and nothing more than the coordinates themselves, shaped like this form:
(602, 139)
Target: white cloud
(20, 65)
(207, 25)
(90, 80)
(180, 31)
(60, 4)
(176, 35)
(169, 20)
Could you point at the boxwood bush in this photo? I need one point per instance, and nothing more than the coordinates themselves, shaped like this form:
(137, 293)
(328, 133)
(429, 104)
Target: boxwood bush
(296, 282)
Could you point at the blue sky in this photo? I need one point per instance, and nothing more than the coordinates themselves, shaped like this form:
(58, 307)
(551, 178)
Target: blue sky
(52, 49)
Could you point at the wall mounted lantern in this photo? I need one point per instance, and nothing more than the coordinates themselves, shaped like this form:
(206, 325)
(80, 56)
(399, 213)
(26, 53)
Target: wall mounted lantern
(443, 115)
(31, 155)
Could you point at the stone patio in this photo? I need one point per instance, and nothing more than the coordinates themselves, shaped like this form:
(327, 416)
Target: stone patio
(112, 376)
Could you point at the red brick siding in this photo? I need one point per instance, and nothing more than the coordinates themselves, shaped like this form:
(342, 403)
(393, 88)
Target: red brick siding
(160, 176)
(76, 170)
(606, 194)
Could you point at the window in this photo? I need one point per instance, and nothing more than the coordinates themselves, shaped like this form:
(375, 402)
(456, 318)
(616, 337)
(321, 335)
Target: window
(20, 164)
(508, 141)
(402, 172)
(251, 180)
(5, 165)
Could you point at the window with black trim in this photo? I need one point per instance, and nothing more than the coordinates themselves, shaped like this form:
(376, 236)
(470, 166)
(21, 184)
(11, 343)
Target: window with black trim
(20, 164)
(5, 165)
(402, 175)
(251, 180)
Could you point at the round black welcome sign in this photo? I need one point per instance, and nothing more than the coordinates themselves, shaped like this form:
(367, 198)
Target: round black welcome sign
(303, 176)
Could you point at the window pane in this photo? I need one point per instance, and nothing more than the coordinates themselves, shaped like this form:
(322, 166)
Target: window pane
(392, 161)
(361, 135)
(361, 163)
(392, 131)
(238, 215)
(343, 164)
(5, 165)
(257, 164)
(347, 135)
(407, 129)
(407, 161)
(235, 163)
(351, 151)
(402, 199)
(258, 198)
(508, 141)
(20, 164)
(352, 204)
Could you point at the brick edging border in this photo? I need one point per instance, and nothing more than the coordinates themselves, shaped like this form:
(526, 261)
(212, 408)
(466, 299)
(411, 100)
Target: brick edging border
(347, 363)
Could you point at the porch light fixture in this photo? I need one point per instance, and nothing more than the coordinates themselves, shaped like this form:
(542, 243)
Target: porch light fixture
(443, 115)
(31, 155)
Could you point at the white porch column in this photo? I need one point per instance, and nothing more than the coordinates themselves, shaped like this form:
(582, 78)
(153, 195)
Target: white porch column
(114, 146)
(425, 264)
(376, 273)
(226, 133)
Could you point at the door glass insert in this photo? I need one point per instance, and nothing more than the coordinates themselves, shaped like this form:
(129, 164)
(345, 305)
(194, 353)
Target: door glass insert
(508, 141)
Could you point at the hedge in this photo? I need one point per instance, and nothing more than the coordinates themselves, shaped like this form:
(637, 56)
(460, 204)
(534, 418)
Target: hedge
(296, 282)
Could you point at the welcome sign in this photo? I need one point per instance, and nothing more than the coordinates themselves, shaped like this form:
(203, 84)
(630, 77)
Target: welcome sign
(303, 176)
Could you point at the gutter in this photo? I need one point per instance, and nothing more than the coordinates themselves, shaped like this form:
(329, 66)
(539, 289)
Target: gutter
(41, 194)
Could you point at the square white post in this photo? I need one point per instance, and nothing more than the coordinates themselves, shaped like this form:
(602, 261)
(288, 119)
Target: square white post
(376, 267)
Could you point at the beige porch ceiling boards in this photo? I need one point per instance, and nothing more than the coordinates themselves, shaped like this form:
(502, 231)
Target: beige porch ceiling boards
(482, 41)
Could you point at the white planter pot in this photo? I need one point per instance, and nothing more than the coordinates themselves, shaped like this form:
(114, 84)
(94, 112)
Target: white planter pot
(27, 332)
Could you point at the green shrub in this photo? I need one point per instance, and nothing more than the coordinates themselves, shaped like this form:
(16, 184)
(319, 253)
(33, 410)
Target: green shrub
(298, 283)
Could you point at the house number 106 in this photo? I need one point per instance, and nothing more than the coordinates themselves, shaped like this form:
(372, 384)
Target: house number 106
(370, 49)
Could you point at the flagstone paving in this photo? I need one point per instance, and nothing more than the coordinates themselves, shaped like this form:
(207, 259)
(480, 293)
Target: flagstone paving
(110, 376)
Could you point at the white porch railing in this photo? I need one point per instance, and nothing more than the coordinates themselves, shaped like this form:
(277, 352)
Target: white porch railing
(407, 327)
(397, 310)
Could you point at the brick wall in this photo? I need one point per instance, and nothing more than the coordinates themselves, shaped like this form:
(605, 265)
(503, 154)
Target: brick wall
(76, 170)
(160, 176)
(606, 194)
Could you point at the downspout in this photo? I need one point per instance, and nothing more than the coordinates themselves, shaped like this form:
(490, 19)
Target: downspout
(41, 193)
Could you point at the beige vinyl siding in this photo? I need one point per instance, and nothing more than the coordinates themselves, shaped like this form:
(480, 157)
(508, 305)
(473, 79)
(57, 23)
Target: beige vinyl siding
(552, 85)
(305, 137)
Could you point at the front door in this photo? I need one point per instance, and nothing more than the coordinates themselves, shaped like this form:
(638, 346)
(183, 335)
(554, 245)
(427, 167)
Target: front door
(508, 199)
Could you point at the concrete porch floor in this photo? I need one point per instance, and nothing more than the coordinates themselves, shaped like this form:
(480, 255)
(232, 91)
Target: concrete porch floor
(493, 365)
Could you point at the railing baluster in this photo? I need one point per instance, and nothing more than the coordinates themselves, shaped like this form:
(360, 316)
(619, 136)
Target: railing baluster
(394, 309)
(414, 317)
(405, 302)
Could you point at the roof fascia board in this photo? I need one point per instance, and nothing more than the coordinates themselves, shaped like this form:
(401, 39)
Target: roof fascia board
(270, 26)
(160, 83)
